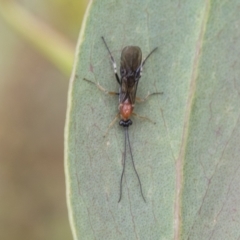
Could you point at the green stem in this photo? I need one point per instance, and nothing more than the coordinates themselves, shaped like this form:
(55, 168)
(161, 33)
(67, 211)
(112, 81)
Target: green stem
(54, 46)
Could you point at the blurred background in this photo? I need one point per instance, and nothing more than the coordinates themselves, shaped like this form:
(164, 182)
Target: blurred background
(37, 44)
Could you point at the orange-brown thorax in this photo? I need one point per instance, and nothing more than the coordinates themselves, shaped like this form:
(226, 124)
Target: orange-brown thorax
(125, 109)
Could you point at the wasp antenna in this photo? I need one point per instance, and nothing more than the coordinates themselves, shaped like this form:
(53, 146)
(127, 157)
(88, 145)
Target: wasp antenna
(127, 138)
(124, 161)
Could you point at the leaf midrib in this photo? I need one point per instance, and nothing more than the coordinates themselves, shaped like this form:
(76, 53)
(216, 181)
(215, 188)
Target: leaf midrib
(190, 101)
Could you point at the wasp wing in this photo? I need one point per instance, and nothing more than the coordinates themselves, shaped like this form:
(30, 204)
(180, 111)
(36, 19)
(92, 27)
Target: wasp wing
(131, 61)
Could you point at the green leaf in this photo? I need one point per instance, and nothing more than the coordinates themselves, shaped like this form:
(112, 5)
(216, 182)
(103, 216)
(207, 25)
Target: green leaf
(188, 161)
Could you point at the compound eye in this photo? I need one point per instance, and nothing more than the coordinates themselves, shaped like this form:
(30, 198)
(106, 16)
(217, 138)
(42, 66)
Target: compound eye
(129, 122)
(125, 123)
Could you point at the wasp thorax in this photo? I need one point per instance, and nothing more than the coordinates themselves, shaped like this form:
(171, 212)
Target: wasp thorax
(125, 110)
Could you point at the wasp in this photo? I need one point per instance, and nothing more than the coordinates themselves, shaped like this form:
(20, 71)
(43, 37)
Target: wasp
(131, 66)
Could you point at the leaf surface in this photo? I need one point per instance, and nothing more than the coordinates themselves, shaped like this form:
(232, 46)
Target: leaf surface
(188, 161)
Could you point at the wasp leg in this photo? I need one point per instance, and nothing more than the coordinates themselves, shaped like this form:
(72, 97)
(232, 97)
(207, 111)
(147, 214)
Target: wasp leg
(144, 61)
(113, 62)
(101, 88)
(111, 124)
(146, 98)
(143, 117)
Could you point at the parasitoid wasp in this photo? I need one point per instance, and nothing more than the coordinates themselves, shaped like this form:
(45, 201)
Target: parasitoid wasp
(131, 65)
